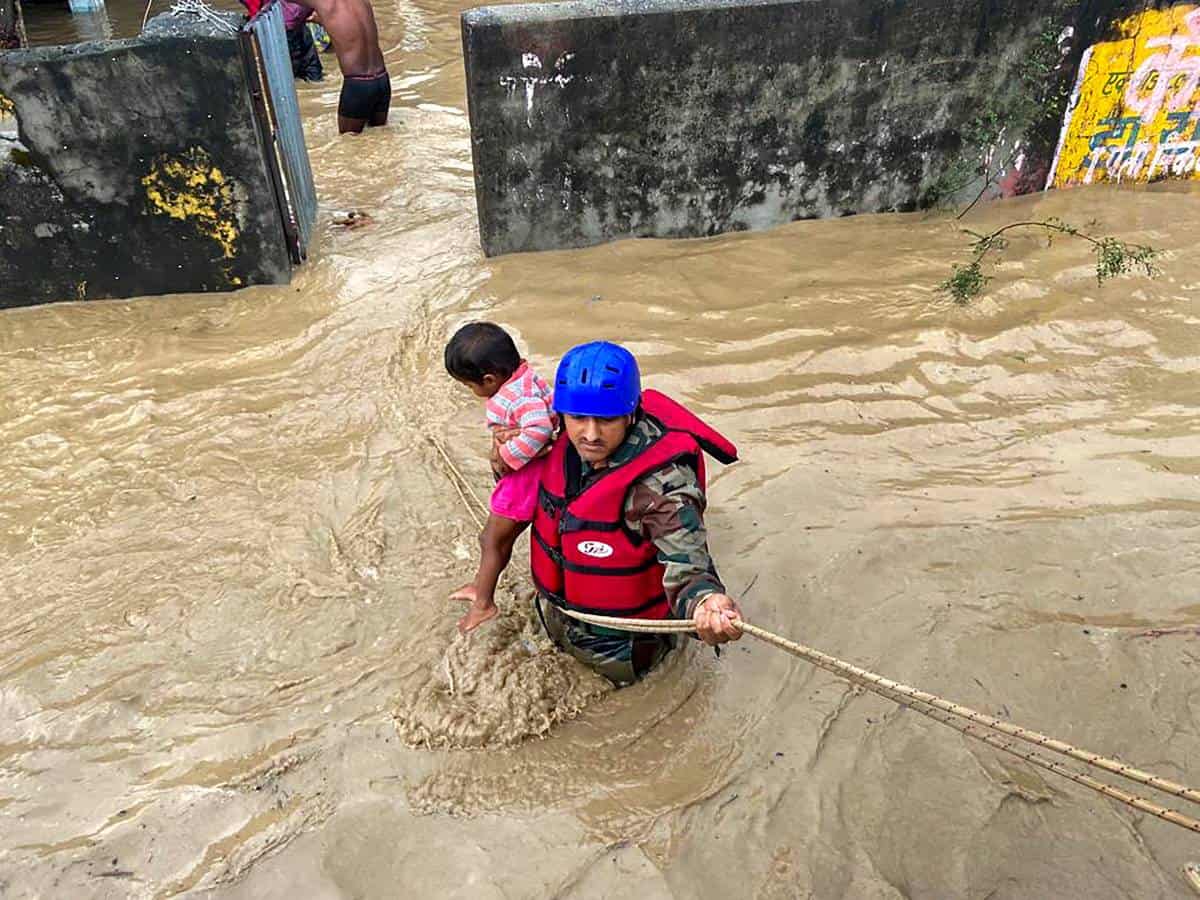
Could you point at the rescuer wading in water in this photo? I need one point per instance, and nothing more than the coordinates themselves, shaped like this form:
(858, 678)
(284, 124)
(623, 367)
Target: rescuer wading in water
(619, 525)
(366, 88)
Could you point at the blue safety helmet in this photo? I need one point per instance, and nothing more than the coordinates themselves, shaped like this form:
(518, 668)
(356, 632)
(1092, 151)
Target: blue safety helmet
(597, 379)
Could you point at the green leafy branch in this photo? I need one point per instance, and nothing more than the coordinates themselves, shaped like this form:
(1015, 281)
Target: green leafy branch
(1113, 257)
(1038, 98)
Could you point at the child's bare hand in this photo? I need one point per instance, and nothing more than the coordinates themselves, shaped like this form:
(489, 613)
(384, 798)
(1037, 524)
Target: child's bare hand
(503, 436)
(499, 467)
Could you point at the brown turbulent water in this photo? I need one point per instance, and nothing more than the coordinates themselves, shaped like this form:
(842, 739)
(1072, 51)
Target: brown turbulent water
(49, 22)
(227, 666)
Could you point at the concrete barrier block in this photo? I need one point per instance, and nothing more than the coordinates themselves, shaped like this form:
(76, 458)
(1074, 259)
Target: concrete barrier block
(136, 169)
(600, 119)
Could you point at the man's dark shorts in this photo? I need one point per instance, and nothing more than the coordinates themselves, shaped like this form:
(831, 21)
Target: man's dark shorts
(366, 97)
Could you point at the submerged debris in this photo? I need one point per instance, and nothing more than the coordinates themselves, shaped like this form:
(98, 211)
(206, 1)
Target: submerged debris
(352, 218)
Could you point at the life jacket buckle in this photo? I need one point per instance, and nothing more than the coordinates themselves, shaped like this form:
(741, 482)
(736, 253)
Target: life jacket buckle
(550, 505)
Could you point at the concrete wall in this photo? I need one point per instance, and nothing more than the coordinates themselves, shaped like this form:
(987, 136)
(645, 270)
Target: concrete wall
(137, 170)
(601, 119)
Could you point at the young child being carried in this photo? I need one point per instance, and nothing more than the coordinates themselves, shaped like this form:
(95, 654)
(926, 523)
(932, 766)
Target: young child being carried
(483, 357)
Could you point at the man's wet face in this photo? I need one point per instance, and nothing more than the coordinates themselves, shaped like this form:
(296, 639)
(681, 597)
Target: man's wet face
(596, 438)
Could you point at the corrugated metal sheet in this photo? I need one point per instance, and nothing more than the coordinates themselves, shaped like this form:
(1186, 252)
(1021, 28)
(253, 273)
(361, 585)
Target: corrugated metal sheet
(284, 131)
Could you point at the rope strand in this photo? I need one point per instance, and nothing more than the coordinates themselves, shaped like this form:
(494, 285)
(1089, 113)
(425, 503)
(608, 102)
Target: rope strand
(465, 491)
(1027, 735)
(978, 725)
(1032, 756)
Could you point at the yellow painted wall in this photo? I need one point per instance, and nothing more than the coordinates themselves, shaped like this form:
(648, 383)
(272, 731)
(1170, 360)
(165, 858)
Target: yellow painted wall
(190, 188)
(1135, 114)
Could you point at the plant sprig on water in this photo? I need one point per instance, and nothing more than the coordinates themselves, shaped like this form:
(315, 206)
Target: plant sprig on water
(1113, 257)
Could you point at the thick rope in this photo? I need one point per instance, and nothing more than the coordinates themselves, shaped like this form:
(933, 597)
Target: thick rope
(847, 670)
(977, 725)
(1032, 756)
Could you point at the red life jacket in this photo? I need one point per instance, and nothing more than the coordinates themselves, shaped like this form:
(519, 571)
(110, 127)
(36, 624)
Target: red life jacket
(582, 555)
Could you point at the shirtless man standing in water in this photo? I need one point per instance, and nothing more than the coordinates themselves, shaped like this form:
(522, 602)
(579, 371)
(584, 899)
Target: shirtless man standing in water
(366, 88)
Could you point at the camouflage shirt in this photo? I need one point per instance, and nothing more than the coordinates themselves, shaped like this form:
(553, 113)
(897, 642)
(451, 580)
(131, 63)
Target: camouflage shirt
(667, 508)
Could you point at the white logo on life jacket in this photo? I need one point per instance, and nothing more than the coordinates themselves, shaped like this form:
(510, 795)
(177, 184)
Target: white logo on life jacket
(597, 549)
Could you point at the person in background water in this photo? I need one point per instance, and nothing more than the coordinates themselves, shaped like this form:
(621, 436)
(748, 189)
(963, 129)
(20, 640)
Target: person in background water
(366, 88)
(483, 357)
(619, 525)
(306, 63)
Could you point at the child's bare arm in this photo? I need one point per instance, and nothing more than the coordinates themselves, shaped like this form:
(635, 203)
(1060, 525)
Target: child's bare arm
(532, 438)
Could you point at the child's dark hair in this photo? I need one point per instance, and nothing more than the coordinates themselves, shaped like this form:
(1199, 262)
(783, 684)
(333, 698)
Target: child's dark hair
(481, 348)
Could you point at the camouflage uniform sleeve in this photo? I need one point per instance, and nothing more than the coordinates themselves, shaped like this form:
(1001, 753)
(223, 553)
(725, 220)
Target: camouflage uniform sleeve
(667, 507)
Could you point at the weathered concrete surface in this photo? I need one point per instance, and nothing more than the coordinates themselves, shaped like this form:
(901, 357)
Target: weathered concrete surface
(10, 24)
(600, 120)
(138, 170)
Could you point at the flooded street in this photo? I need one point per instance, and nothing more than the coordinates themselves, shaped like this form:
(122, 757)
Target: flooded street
(228, 667)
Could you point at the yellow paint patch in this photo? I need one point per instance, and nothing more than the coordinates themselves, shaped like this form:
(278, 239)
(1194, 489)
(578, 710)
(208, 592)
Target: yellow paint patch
(1135, 114)
(190, 187)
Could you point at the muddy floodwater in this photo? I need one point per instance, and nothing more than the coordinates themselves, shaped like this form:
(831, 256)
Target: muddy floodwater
(228, 668)
(49, 22)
